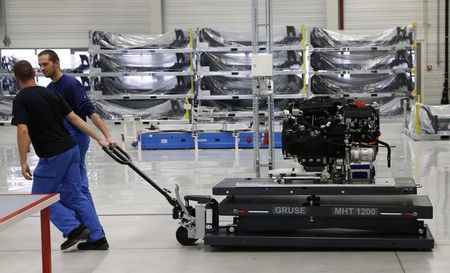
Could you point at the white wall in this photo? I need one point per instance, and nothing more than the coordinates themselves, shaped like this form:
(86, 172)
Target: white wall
(236, 14)
(379, 14)
(66, 23)
(332, 15)
(435, 77)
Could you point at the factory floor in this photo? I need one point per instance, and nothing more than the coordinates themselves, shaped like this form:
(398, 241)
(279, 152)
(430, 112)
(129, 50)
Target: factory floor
(141, 232)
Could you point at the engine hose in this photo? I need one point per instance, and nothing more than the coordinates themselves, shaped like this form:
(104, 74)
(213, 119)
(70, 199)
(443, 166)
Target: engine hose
(388, 147)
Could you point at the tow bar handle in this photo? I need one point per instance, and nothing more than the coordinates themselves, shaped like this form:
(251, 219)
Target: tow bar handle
(119, 155)
(122, 157)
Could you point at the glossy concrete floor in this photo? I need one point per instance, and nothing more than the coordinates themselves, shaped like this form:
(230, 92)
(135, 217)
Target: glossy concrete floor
(141, 232)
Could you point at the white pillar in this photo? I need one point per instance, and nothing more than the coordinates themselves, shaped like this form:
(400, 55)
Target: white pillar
(333, 14)
(156, 26)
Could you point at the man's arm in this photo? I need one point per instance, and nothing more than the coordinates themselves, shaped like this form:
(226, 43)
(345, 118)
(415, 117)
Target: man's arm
(83, 126)
(85, 106)
(98, 122)
(23, 143)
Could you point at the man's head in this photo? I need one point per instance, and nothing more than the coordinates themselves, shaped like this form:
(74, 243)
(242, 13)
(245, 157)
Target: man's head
(49, 63)
(24, 73)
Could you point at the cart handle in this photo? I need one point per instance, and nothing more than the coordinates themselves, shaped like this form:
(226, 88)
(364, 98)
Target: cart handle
(119, 155)
(123, 158)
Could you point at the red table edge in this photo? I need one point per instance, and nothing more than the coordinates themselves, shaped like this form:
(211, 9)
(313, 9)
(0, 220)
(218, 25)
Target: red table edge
(38, 205)
(41, 205)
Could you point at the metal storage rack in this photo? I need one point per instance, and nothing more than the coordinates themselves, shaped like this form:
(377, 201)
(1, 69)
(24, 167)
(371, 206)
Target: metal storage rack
(144, 71)
(224, 79)
(378, 66)
(210, 68)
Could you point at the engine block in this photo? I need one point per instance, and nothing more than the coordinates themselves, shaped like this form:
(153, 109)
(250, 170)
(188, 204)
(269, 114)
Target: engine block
(330, 134)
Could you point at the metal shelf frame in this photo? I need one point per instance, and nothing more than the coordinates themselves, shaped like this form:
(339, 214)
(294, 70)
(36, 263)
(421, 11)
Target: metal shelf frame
(196, 72)
(95, 72)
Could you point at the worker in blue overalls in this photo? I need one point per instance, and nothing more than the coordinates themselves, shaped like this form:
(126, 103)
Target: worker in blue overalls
(38, 114)
(75, 95)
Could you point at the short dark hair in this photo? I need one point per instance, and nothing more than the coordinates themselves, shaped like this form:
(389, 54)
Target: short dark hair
(52, 56)
(23, 70)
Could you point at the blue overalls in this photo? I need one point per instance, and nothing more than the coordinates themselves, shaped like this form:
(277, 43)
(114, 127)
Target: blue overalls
(61, 173)
(74, 93)
(82, 141)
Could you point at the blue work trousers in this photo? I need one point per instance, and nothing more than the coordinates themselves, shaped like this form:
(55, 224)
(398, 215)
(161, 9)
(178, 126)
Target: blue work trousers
(82, 141)
(61, 173)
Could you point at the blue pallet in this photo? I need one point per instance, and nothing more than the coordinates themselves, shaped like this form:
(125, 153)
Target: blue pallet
(246, 140)
(206, 140)
(216, 140)
(167, 141)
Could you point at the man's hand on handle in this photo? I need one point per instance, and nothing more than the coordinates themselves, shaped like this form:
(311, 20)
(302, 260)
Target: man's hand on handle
(104, 143)
(112, 142)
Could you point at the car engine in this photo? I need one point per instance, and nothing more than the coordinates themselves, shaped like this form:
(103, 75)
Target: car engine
(337, 138)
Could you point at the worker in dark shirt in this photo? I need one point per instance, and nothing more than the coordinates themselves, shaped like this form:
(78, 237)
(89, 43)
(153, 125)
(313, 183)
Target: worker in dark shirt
(38, 114)
(75, 95)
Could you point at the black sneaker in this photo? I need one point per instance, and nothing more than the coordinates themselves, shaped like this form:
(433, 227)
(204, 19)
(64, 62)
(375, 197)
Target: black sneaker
(100, 244)
(77, 234)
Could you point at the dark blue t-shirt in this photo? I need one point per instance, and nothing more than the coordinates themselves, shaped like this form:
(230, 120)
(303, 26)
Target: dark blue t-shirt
(75, 95)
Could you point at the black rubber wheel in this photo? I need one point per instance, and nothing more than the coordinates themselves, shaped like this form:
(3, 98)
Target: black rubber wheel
(182, 237)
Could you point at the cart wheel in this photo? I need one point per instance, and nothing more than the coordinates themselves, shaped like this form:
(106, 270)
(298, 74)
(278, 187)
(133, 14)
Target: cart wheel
(182, 237)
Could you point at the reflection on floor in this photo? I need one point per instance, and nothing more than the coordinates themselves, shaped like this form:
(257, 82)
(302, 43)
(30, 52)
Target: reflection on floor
(142, 234)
